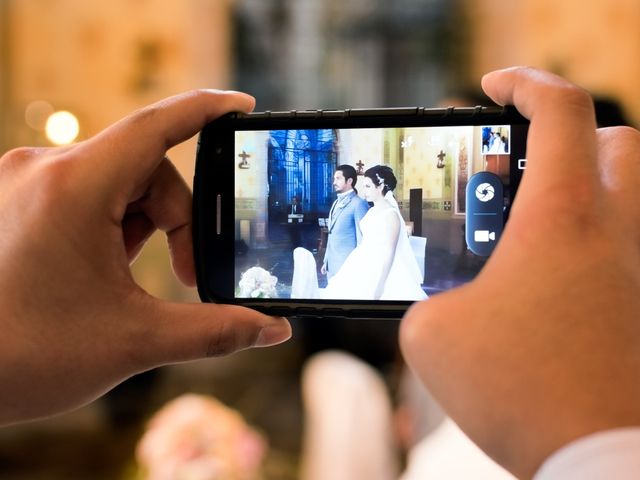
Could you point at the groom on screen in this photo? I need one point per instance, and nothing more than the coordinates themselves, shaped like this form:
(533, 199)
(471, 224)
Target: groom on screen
(344, 220)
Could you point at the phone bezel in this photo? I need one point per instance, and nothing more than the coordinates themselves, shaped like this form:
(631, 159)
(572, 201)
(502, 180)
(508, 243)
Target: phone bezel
(214, 205)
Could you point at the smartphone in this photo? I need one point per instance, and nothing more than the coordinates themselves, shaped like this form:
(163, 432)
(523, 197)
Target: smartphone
(351, 213)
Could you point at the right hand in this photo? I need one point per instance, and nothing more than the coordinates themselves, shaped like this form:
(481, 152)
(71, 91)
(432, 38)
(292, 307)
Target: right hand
(543, 347)
(323, 269)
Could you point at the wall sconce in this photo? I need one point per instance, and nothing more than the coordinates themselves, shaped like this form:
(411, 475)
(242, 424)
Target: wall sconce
(441, 156)
(243, 163)
(360, 165)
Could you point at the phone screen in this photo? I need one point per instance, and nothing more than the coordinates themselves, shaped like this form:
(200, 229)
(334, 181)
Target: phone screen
(370, 213)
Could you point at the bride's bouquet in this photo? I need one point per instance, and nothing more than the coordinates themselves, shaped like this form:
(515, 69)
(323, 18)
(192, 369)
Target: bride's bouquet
(257, 282)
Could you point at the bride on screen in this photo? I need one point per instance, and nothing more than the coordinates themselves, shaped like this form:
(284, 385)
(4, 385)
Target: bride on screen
(382, 266)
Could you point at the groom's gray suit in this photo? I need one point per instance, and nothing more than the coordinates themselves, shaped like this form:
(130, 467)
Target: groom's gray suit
(344, 230)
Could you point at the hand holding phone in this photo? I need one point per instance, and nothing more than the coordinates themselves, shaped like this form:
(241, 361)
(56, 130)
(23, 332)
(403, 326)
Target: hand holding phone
(542, 348)
(74, 321)
(397, 205)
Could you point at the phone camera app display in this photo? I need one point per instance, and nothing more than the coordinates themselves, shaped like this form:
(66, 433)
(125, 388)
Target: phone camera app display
(485, 212)
(367, 213)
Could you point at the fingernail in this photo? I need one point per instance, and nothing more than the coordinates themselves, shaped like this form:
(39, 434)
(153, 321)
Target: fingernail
(274, 333)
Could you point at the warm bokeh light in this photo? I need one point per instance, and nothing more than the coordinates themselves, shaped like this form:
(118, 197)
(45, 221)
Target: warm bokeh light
(62, 128)
(37, 113)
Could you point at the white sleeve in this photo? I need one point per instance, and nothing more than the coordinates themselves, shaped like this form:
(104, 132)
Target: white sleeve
(608, 455)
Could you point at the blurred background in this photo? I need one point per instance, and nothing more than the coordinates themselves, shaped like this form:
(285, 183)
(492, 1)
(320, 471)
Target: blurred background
(69, 68)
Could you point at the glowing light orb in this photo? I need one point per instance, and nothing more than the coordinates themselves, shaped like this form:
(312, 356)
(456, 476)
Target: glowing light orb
(37, 113)
(62, 128)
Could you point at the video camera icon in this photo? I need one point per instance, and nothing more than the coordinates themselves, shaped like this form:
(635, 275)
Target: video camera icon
(484, 236)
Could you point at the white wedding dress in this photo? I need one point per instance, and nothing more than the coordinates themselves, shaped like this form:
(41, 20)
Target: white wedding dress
(359, 276)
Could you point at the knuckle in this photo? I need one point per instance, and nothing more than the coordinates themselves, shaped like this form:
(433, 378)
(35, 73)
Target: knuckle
(149, 113)
(55, 177)
(415, 325)
(224, 100)
(624, 134)
(578, 94)
(222, 341)
(18, 155)
(620, 139)
(146, 114)
(46, 168)
(575, 97)
(206, 99)
(200, 94)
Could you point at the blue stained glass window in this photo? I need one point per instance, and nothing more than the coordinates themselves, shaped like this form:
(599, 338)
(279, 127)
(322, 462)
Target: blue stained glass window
(301, 164)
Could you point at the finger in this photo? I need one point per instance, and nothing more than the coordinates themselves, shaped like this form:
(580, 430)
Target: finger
(619, 162)
(131, 149)
(445, 341)
(136, 230)
(180, 332)
(436, 338)
(562, 140)
(167, 204)
(22, 157)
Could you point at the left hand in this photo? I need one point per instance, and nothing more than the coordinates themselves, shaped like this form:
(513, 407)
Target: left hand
(74, 323)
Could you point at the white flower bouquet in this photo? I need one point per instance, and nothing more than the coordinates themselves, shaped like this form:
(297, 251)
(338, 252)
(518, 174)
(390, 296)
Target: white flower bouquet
(196, 437)
(257, 282)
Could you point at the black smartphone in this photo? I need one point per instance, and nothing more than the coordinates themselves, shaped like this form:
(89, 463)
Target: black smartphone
(351, 213)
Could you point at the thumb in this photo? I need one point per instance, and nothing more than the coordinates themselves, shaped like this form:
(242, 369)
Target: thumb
(436, 336)
(178, 332)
